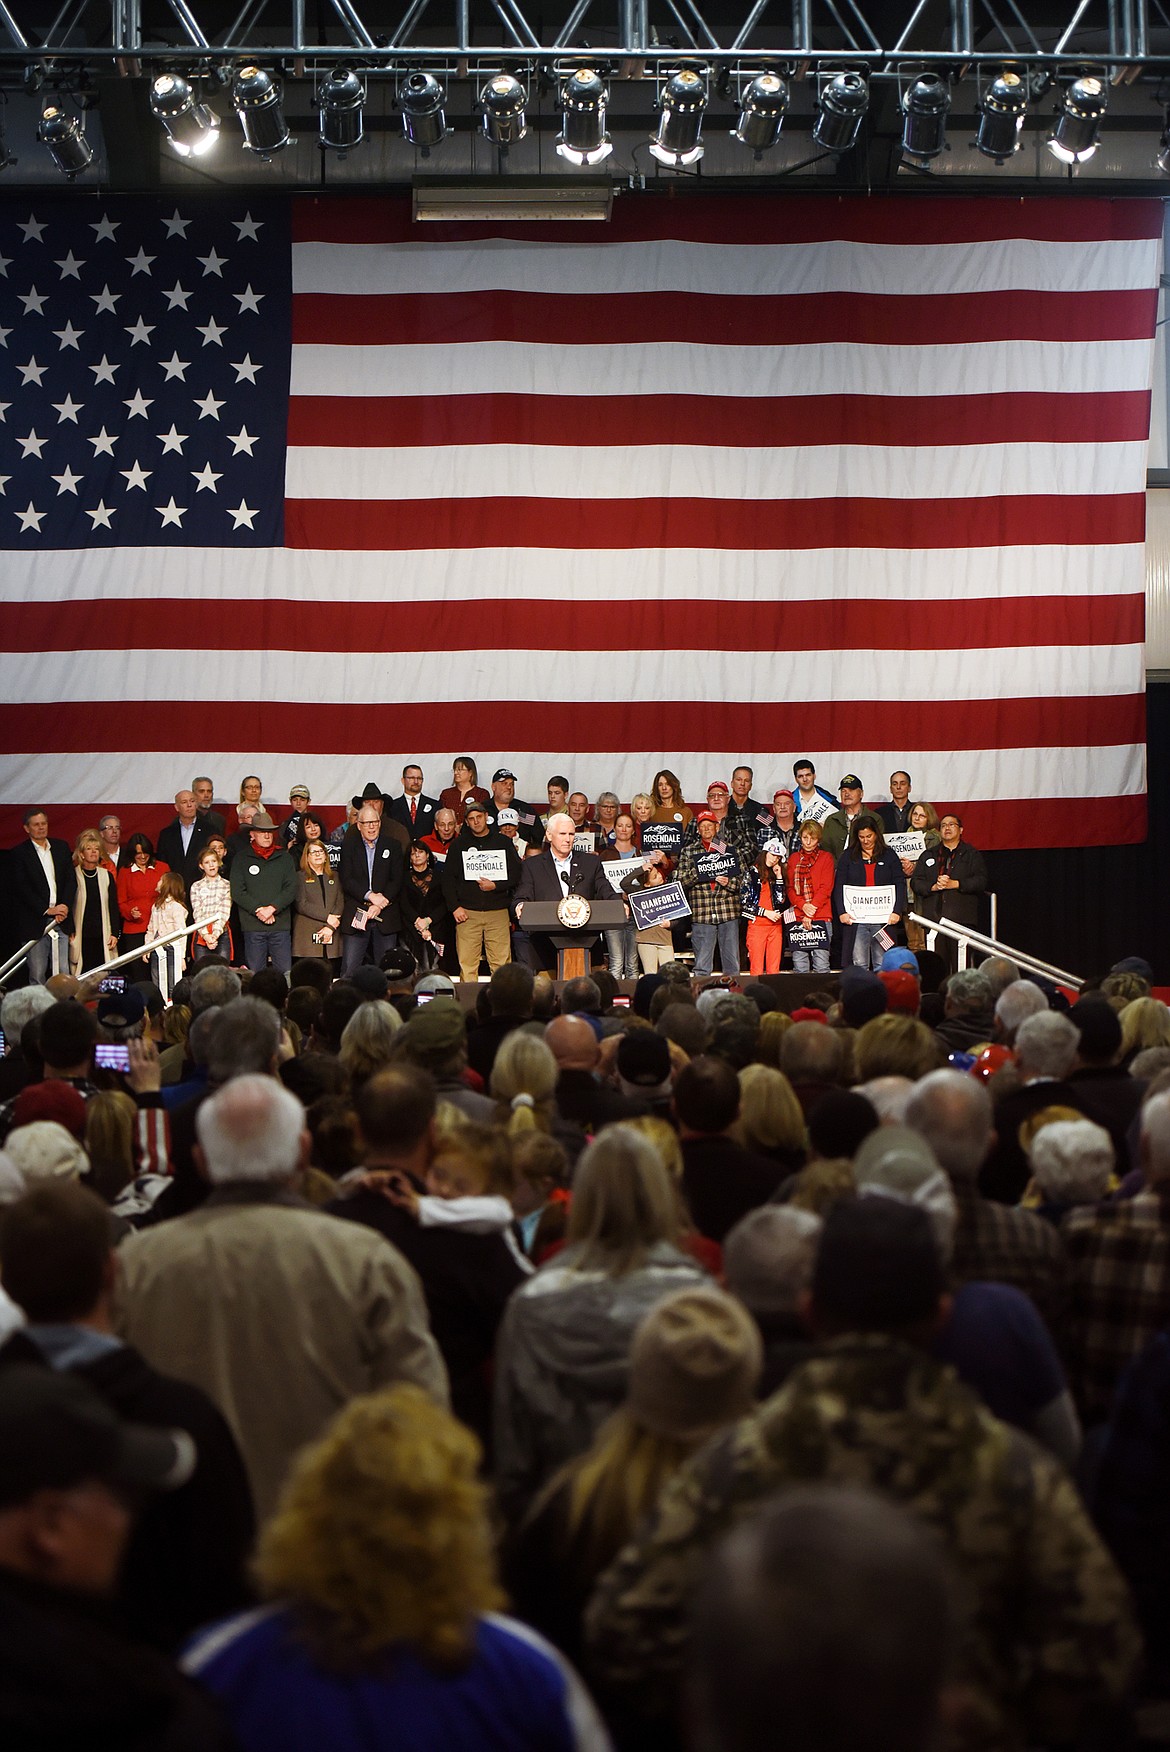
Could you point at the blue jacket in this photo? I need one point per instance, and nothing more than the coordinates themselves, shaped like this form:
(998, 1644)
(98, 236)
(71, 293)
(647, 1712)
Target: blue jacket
(515, 1695)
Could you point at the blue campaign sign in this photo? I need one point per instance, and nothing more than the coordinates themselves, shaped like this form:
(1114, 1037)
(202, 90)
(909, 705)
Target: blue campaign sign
(662, 836)
(657, 906)
(708, 865)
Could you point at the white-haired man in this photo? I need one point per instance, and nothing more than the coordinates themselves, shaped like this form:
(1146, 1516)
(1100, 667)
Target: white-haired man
(993, 1242)
(556, 872)
(280, 1313)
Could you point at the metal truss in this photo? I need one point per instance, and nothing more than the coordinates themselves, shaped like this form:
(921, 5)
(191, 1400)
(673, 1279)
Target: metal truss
(633, 39)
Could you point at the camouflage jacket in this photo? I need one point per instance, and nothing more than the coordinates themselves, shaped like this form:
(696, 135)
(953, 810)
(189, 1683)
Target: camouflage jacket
(1049, 1638)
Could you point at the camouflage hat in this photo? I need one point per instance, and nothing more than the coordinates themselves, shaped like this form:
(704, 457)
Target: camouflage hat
(437, 1028)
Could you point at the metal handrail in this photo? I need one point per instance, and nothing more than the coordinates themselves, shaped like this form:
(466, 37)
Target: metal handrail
(14, 961)
(964, 935)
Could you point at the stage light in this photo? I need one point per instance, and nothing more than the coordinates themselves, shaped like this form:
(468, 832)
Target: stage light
(1001, 116)
(191, 127)
(1074, 138)
(504, 101)
(841, 105)
(584, 99)
(423, 120)
(762, 107)
(924, 119)
(63, 138)
(340, 102)
(256, 100)
(680, 125)
(1162, 160)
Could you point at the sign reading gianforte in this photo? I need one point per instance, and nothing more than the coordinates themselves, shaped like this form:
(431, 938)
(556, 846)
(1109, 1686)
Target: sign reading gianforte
(657, 906)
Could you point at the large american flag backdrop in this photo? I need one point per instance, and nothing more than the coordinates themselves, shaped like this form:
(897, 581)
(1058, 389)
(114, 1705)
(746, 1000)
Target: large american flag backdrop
(299, 488)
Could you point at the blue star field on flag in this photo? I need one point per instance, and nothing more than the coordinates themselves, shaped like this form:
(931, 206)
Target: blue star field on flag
(144, 369)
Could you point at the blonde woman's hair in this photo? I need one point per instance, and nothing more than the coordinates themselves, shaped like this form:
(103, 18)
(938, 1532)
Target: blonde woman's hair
(894, 1045)
(663, 1137)
(367, 1038)
(304, 865)
(524, 1082)
(624, 1203)
(89, 836)
(615, 1483)
(1144, 1022)
(171, 887)
(382, 1536)
(109, 1141)
(770, 1116)
(176, 1024)
(774, 1025)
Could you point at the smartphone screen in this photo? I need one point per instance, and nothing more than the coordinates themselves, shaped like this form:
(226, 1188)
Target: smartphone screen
(108, 1056)
(113, 982)
(621, 1001)
(423, 997)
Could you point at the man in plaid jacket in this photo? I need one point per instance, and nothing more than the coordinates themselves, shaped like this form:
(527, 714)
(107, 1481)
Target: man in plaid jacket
(1120, 1254)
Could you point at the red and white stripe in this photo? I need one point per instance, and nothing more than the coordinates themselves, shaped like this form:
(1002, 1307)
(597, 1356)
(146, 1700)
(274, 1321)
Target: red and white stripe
(730, 479)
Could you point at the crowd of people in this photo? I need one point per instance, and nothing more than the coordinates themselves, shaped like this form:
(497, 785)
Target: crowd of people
(382, 1370)
(787, 883)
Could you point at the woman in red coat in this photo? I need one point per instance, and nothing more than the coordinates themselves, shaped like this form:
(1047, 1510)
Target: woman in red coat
(810, 894)
(138, 874)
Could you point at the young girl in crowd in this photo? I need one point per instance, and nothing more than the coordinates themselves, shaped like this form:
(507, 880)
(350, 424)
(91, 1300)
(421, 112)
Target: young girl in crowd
(211, 902)
(169, 913)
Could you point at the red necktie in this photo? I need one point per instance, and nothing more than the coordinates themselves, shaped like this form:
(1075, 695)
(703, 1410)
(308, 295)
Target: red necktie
(413, 809)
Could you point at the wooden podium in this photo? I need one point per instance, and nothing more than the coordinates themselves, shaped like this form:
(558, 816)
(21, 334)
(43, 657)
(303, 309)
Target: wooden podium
(573, 946)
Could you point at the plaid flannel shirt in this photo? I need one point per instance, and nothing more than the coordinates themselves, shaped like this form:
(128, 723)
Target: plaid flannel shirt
(1120, 1272)
(999, 1244)
(709, 902)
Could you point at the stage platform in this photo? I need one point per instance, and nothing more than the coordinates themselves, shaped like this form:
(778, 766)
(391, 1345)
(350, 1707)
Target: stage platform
(791, 988)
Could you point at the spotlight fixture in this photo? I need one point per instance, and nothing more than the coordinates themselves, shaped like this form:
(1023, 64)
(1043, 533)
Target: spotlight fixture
(1001, 116)
(423, 121)
(584, 99)
(1162, 158)
(256, 100)
(924, 118)
(504, 101)
(680, 125)
(762, 107)
(63, 137)
(191, 127)
(340, 101)
(841, 105)
(1074, 138)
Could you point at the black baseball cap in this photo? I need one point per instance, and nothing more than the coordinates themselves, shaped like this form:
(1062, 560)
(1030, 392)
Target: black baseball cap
(503, 773)
(56, 1432)
(643, 1059)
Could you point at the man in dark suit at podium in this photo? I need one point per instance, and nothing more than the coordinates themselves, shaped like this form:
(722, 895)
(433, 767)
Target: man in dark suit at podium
(414, 810)
(555, 872)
